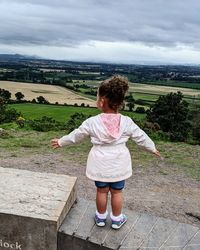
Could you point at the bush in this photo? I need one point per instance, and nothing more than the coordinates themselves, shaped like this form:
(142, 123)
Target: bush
(157, 135)
(46, 124)
(75, 121)
(4, 134)
(6, 114)
(20, 121)
(140, 110)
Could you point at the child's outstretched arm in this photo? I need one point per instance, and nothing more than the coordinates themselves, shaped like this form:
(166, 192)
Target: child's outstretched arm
(142, 139)
(74, 137)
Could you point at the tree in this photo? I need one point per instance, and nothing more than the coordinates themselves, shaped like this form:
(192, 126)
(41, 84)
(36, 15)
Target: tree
(5, 94)
(130, 102)
(42, 100)
(196, 128)
(195, 120)
(171, 113)
(19, 96)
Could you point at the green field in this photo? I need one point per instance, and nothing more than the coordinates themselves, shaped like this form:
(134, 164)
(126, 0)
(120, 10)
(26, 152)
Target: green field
(179, 157)
(60, 113)
(147, 92)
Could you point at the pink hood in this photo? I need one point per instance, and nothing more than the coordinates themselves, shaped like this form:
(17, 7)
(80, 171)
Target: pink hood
(111, 123)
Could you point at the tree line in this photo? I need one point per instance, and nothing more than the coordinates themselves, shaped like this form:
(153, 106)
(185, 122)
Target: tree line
(169, 118)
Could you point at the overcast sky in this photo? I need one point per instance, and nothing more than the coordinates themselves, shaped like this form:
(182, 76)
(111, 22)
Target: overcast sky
(119, 31)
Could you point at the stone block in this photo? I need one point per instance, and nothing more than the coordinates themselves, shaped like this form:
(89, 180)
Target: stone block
(32, 207)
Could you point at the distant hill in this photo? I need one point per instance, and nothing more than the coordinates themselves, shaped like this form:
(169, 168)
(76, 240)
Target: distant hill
(15, 57)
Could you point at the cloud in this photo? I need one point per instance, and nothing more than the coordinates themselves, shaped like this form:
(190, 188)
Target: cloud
(72, 24)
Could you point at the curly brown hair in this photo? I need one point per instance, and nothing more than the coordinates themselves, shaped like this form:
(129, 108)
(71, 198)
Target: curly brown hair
(114, 90)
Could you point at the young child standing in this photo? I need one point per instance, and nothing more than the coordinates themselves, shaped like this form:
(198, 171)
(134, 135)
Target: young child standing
(109, 160)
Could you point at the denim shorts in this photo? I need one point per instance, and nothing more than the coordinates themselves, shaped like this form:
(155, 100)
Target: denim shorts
(118, 185)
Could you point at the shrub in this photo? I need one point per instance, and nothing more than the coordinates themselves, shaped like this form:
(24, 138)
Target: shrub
(75, 121)
(20, 121)
(7, 114)
(140, 110)
(4, 134)
(45, 124)
(33, 101)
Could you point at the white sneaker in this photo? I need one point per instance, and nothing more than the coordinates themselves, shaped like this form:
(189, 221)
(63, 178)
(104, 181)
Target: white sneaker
(120, 223)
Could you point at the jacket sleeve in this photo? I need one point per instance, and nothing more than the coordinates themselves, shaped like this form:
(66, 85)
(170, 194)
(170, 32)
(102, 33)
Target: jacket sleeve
(76, 135)
(141, 138)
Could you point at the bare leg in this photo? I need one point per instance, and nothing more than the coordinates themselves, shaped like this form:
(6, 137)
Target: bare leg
(102, 199)
(116, 201)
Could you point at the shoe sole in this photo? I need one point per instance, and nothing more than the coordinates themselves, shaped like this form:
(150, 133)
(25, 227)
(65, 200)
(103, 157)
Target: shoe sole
(100, 224)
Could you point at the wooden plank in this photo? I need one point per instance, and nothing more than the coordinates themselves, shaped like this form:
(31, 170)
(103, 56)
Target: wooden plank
(73, 219)
(180, 236)
(115, 238)
(194, 243)
(139, 232)
(87, 222)
(98, 234)
(159, 233)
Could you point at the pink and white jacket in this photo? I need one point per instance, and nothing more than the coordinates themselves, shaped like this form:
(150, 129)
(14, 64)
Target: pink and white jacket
(109, 159)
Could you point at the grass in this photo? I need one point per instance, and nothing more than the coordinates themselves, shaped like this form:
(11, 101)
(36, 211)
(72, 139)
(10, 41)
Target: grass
(178, 157)
(60, 113)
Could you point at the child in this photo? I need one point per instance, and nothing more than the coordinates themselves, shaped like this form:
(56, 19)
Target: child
(109, 161)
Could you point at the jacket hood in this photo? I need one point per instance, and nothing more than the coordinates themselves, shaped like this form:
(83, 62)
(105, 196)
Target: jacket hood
(108, 128)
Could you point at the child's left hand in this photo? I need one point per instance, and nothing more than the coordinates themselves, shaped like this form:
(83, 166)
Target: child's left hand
(54, 143)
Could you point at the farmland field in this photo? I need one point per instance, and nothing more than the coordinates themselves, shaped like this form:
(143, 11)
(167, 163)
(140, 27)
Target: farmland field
(154, 89)
(51, 93)
(59, 113)
(151, 89)
(61, 95)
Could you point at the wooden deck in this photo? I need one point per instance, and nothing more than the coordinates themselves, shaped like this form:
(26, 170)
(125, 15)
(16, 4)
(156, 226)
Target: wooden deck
(142, 231)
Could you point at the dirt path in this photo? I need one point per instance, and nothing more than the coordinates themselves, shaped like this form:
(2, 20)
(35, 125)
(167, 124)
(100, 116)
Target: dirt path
(148, 190)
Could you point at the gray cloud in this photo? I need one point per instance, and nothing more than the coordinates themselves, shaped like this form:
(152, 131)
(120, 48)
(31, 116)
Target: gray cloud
(69, 23)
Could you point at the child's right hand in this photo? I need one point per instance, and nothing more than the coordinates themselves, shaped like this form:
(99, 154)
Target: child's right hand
(157, 153)
(54, 143)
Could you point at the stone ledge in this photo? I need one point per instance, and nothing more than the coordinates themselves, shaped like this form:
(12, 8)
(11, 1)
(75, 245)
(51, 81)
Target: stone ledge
(32, 208)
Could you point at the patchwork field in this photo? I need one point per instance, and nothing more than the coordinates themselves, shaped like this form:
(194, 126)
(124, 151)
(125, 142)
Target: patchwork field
(155, 89)
(54, 93)
(51, 93)
(151, 89)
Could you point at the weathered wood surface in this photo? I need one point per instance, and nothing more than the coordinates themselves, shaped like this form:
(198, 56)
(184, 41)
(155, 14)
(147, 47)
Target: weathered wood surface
(142, 231)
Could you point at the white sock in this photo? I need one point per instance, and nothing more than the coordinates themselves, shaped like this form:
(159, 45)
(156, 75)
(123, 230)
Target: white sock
(115, 218)
(102, 216)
